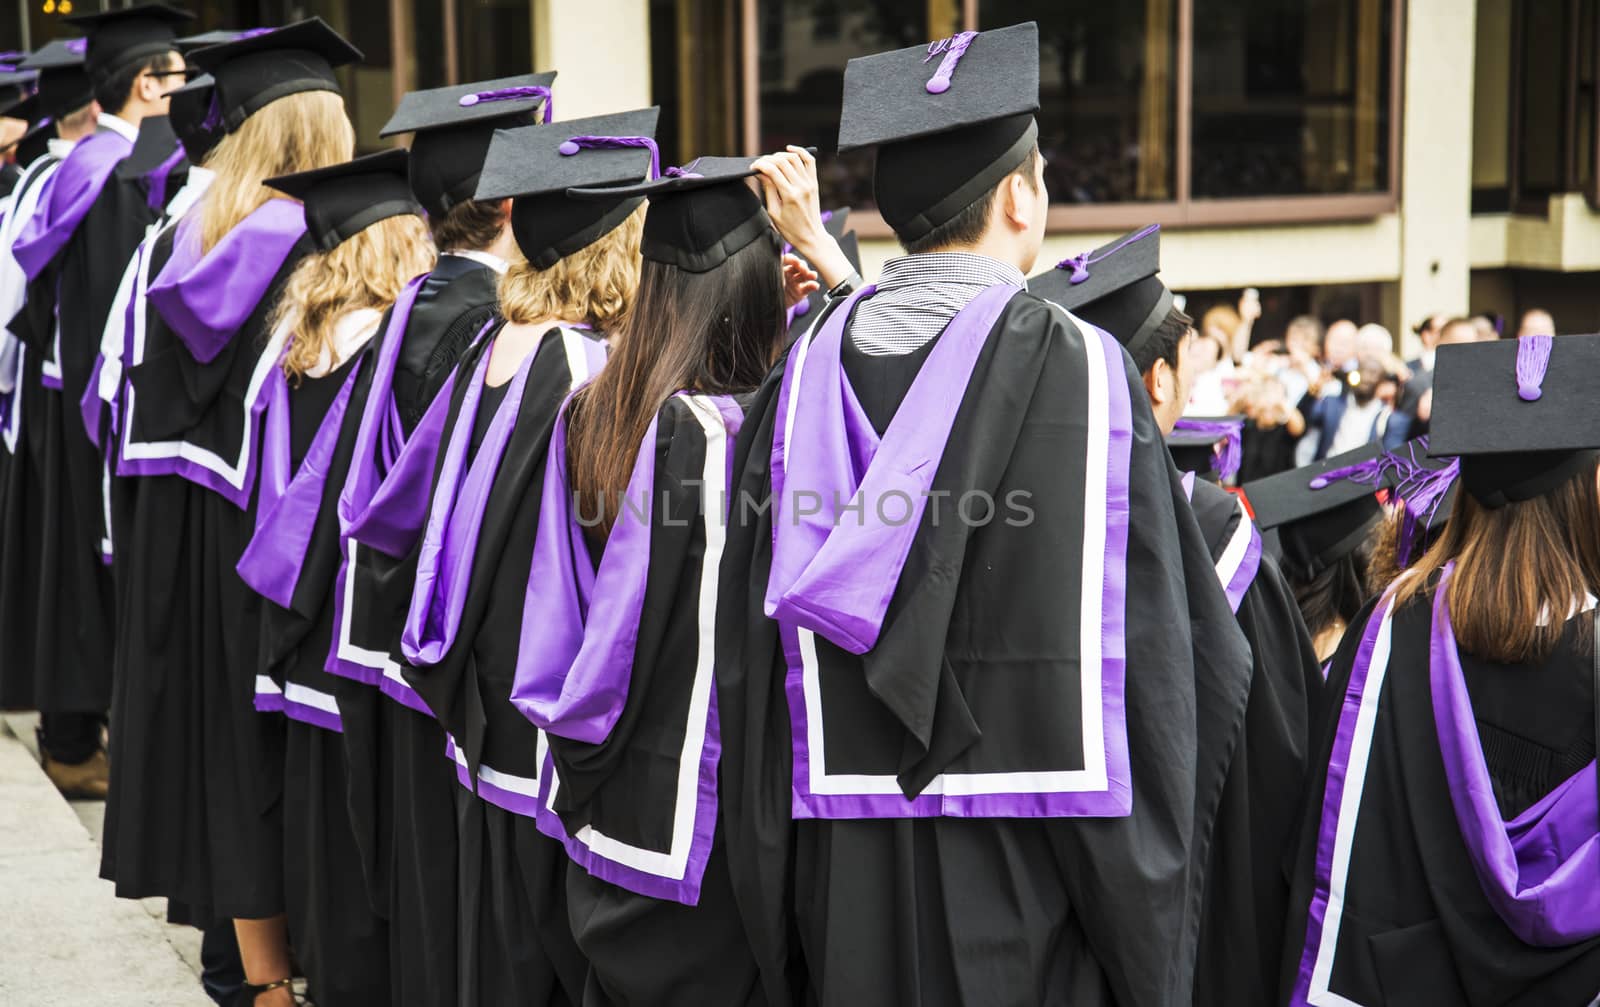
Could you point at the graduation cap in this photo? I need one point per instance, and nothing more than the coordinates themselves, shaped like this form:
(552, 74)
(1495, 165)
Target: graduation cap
(454, 127)
(155, 143)
(221, 36)
(120, 38)
(1319, 512)
(253, 72)
(1520, 413)
(189, 114)
(949, 119)
(343, 200)
(1115, 287)
(1208, 446)
(532, 165)
(62, 86)
(699, 214)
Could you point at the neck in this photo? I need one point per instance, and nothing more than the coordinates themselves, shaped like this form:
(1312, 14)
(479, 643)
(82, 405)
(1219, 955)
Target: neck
(993, 245)
(504, 246)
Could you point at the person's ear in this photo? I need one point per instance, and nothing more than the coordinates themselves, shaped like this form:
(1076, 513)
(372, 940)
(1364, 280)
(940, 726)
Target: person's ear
(1014, 201)
(1155, 384)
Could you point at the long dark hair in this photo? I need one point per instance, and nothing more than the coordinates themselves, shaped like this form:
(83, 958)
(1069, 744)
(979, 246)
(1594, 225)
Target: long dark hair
(1335, 594)
(1516, 565)
(716, 332)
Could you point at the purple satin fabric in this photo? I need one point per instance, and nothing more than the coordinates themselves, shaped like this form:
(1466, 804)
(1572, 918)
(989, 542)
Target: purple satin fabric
(90, 403)
(289, 503)
(450, 541)
(835, 577)
(1540, 872)
(580, 624)
(206, 299)
(73, 189)
(158, 179)
(1245, 575)
(394, 517)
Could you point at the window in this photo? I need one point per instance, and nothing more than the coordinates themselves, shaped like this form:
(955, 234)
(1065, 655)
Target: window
(694, 77)
(1180, 111)
(1553, 109)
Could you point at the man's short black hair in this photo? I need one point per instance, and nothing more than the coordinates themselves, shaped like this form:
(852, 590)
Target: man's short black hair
(967, 227)
(114, 92)
(1164, 342)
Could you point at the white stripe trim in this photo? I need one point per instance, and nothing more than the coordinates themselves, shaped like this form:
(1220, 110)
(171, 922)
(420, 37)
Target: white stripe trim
(524, 785)
(1355, 779)
(348, 651)
(294, 692)
(265, 686)
(1233, 556)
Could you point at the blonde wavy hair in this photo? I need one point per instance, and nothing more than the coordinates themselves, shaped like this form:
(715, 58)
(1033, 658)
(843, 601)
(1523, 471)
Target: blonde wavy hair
(364, 271)
(298, 132)
(596, 284)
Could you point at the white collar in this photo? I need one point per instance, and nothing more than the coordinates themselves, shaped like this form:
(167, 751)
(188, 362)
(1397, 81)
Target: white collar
(122, 127)
(1589, 602)
(494, 262)
(60, 148)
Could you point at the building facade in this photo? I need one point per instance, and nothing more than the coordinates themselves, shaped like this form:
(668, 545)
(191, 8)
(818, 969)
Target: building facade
(1377, 159)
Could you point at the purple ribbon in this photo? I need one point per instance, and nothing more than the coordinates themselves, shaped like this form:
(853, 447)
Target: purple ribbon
(74, 188)
(158, 179)
(450, 541)
(288, 504)
(1541, 871)
(818, 580)
(1230, 436)
(205, 299)
(1420, 484)
(1533, 360)
(577, 143)
(77, 46)
(1080, 263)
(394, 517)
(952, 49)
(513, 94)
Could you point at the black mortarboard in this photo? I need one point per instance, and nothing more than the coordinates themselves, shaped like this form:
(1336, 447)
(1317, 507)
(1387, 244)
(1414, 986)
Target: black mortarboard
(345, 199)
(699, 214)
(1208, 446)
(1317, 524)
(835, 221)
(221, 36)
(454, 127)
(189, 113)
(1115, 287)
(120, 38)
(155, 143)
(1521, 414)
(527, 164)
(15, 85)
(949, 119)
(256, 71)
(63, 85)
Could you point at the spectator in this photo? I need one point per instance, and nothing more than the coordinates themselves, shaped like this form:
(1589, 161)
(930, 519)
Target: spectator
(1456, 330)
(1536, 322)
(1223, 324)
(1213, 370)
(1358, 415)
(1339, 346)
(1490, 327)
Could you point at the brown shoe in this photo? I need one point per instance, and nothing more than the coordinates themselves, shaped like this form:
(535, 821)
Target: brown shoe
(82, 781)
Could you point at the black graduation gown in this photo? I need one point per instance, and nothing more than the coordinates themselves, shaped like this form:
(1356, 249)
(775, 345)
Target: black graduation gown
(401, 789)
(986, 909)
(338, 940)
(195, 807)
(1247, 892)
(515, 942)
(653, 909)
(1414, 924)
(70, 297)
(23, 678)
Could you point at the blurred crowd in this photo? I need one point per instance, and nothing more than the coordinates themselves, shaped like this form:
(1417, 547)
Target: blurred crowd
(1316, 390)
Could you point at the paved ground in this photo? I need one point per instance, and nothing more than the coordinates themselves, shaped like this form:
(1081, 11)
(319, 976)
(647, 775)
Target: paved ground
(64, 937)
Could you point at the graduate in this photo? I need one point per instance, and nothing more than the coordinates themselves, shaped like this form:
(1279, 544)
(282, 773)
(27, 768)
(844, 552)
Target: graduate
(195, 813)
(398, 781)
(995, 799)
(618, 643)
(1117, 288)
(461, 507)
(1320, 526)
(1450, 841)
(370, 241)
(51, 614)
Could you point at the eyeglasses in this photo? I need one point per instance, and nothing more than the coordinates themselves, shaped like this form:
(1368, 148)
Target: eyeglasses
(158, 74)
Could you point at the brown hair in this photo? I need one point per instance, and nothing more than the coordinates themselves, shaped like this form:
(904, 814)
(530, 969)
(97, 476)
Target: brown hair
(968, 226)
(1515, 566)
(470, 226)
(716, 332)
(365, 271)
(298, 132)
(595, 284)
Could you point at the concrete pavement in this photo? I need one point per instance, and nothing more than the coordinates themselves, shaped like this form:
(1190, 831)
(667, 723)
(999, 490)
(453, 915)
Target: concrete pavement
(64, 937)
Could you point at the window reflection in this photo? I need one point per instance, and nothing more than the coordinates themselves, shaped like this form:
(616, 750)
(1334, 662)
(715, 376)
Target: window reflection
(1290, 97)
(494, 38)
(1107, 91)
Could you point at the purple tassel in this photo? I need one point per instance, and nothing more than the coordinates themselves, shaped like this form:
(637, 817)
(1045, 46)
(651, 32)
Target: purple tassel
(1230, 435)
(213, 119)
(681, 173)
(577, 143)
(1418, 483)
(513, 94)
(952, 49)
(1533, 359)
(77, 46)
(1080, 263)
